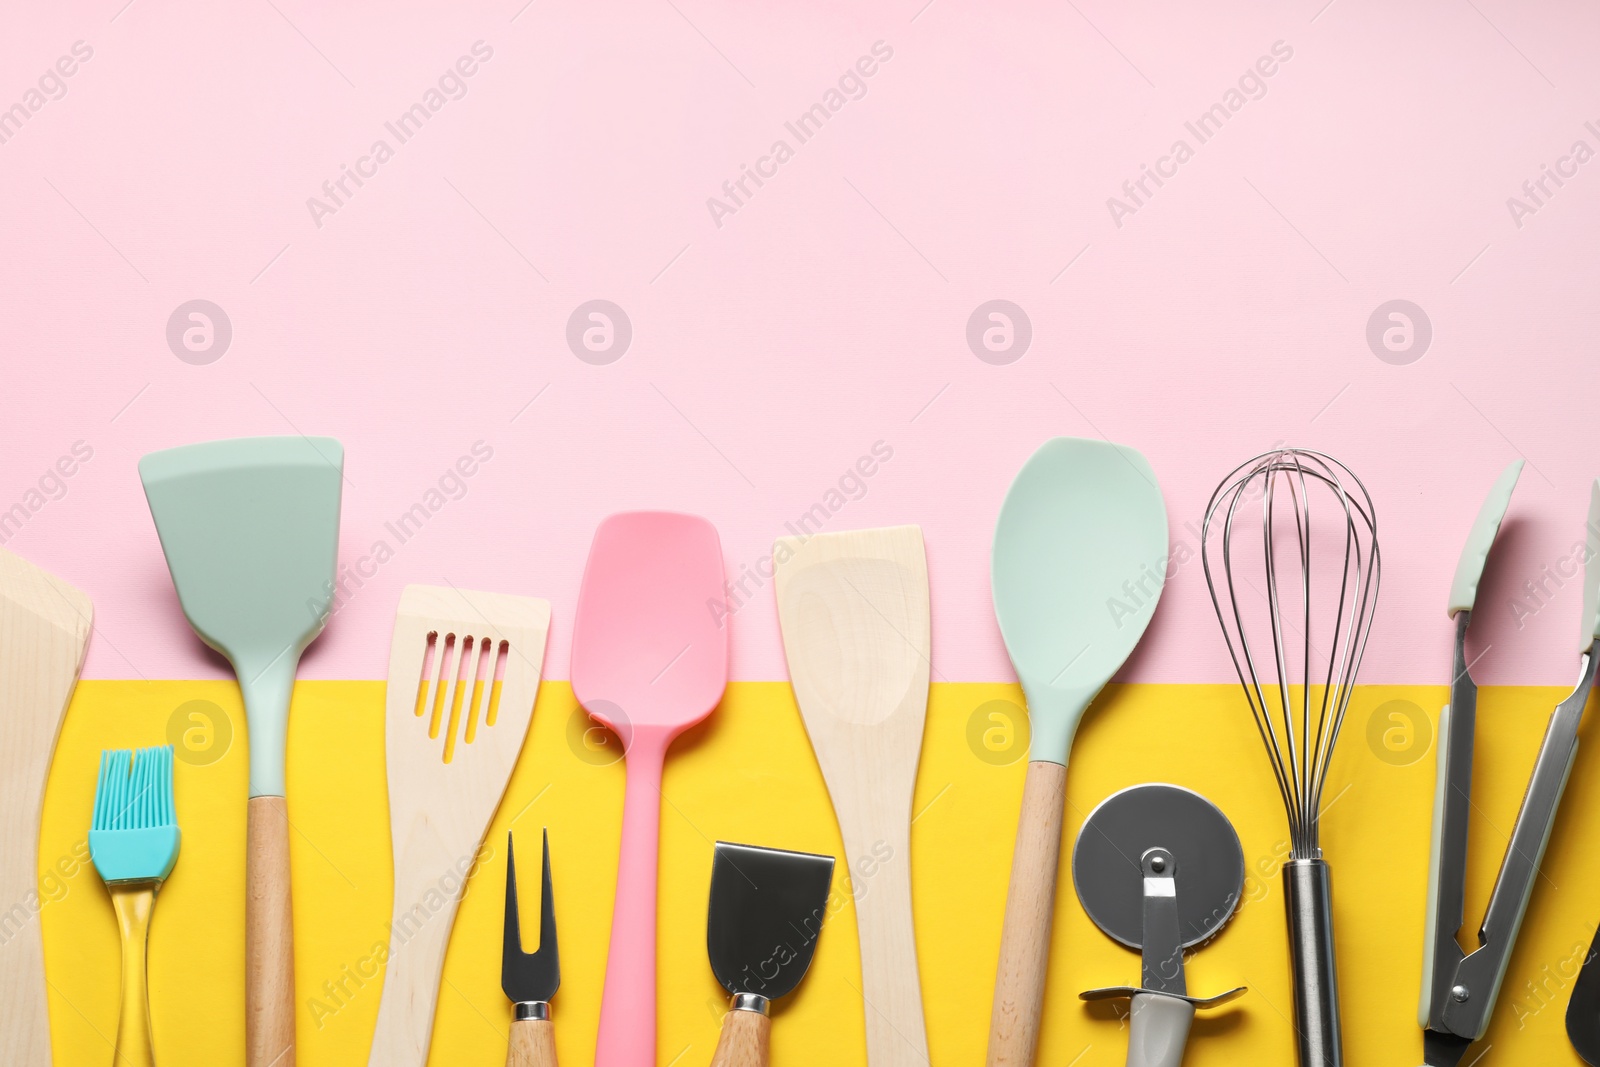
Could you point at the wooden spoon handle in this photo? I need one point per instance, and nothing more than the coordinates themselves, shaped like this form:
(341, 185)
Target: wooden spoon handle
(1030, 906)
(269, 938)
(533, 1044)
(745, 1041)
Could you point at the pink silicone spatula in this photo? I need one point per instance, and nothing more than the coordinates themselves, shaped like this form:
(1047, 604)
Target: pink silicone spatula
(649, 660)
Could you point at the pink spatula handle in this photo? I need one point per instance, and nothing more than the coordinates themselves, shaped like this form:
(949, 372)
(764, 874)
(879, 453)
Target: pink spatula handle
(628, 1004)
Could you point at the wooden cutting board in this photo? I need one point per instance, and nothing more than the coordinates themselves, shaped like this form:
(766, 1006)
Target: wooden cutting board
(44, 632)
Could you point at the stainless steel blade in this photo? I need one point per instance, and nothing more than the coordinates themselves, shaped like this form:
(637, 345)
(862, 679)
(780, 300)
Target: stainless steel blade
(530, 977)
(766, 912)
(1161, 956)
(1107, 862)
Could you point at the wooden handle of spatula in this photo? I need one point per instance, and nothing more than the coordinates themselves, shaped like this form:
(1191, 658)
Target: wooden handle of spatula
(269, 938)
(879, 851)
(1030, 906)
(745, 1041)
(533, 1044)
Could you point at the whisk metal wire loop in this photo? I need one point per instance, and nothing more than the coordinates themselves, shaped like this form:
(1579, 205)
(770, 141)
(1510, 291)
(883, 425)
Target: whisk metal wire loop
(1301, 752)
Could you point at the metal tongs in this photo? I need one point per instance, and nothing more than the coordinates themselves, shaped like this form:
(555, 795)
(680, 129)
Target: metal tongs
(1459, 987)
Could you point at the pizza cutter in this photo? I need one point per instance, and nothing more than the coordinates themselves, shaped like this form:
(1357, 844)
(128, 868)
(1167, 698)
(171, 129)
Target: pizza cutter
(1159, 869)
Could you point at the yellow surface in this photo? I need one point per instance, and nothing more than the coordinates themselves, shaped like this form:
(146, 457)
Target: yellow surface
(748, 775)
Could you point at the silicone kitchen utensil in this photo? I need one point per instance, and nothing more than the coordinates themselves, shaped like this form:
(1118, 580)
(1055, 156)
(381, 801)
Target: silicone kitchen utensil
(649, 660)
(250, 529)
(1300, 569)
(463, 675)
(1583, 1010)
(1158, 868)
(766, 913)
(133, 841)
(1459, 988)
(1079, 560)
(853, 608)
(530, 978)
(44, 632)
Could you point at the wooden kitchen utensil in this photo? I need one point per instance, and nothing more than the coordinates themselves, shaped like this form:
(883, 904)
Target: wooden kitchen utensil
(250, 529)
(44, 631)
(853, 608)
(463, 674)
(1078, 564)
(649, 660)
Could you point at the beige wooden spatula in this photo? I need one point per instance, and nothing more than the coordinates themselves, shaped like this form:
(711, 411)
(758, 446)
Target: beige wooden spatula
(463, 675)
(853, 608)
(44, 631)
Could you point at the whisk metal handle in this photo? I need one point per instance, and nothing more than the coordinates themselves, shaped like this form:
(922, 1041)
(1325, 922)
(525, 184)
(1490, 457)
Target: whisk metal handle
(1316, 985)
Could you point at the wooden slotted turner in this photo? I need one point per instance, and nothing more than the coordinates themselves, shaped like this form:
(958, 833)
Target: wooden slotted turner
(853, 608)
(44, 631)
(463, 675)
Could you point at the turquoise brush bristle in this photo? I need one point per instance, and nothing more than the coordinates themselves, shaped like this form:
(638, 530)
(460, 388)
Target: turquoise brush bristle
(134, 834)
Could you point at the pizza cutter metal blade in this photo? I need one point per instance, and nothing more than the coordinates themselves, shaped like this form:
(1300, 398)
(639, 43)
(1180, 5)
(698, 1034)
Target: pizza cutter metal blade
(1159, 869)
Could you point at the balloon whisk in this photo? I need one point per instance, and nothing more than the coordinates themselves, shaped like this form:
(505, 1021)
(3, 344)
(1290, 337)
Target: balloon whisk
(1294, 593)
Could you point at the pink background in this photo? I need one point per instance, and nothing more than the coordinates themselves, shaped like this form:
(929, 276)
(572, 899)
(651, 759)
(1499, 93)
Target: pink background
(829, 313)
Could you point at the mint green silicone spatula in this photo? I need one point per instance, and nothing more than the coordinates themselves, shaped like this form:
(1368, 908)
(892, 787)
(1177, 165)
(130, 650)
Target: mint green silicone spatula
(1079, 560)
(250, 528)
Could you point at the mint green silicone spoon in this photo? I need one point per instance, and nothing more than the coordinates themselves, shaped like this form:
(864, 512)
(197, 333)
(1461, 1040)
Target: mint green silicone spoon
(1079, 561)
(250, 529)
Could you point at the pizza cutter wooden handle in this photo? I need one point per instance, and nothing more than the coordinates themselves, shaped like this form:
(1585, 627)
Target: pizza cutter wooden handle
(533, 1044)
(745, 1041)
(1030, 907)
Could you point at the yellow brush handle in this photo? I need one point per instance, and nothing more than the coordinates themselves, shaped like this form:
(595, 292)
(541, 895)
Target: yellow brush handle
(133, 904)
